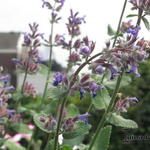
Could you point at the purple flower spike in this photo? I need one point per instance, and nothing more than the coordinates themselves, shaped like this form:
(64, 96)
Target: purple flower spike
(83, 117)
(58, 78)
(94, 87)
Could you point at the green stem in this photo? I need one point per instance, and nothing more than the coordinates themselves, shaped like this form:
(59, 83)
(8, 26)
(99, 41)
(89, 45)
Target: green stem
(49, 63)
(103, 120)
(24, 80)
(59, 121)
(89, 108)
(119, 24)
(118, 29)
(140, 12)
(49, 137)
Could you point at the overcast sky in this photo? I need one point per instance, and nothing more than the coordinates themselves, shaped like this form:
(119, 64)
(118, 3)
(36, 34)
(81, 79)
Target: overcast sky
(16, 14)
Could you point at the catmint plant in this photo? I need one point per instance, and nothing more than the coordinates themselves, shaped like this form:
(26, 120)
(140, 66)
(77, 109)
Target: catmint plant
(57, 112)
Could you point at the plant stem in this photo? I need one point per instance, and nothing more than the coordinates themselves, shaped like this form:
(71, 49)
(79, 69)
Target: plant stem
(49, 137)
(118, 29)
(24, 80)
(103, 120)
(59, 120)
(89, 108)
(140, 12)
(49, 63)
(119, 24)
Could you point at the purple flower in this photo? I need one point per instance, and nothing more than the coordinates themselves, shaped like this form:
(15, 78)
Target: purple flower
(10, 88)
(94, 87)
(83, 117)
(27, 40)
(10, 113)
(58, 78)
(82, 92)
(85, 50)
(132, 99)
(134, 31)
(134, 69)
(5, 78)
(99, 69)
(123, 104)
(113, 71)
(46, 4)
(62, 2)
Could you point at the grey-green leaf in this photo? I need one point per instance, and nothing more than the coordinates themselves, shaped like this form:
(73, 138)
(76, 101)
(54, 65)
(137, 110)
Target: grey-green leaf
(12, 146)
(102, 142)
(146, 23)
(110, 30)
(132, 15)
(80, 129)
(72, 111)
(118, 120)
(55, 93)
(20, 127)
(102, 100)
(40, 124)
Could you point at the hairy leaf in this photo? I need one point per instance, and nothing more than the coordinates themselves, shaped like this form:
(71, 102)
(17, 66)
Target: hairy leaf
(101, 101)
(13, 146)
(146, 23)
(39, 123)
(118, 120)
(20, 127)
(55, 93)
(72, 111)
(102, 142)
(110, 30)
(80, 129)
(132, 15)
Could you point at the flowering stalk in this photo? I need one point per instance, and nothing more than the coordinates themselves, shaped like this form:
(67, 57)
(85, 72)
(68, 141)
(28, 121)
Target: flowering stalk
(116, 36)
(50, 56)
(50, 62)
(24, 80)
(103, 120)
(112, 101)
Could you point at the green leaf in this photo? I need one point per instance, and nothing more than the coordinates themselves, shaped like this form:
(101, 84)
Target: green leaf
(118, 120)
(43, 69)
(50, 145)
(101, 101)
(110, 31)
(40, 124)
(132, 15)
(146, 23)
(65, 147)
(20, 127)
(102, 142)
(75, 141)
(80, 129)
(13, 146)
(111, 84)
(55, 93)
(2, 141)
(72, 111)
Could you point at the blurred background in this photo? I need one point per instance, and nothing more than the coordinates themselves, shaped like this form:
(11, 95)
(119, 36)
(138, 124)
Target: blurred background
(15, 15)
